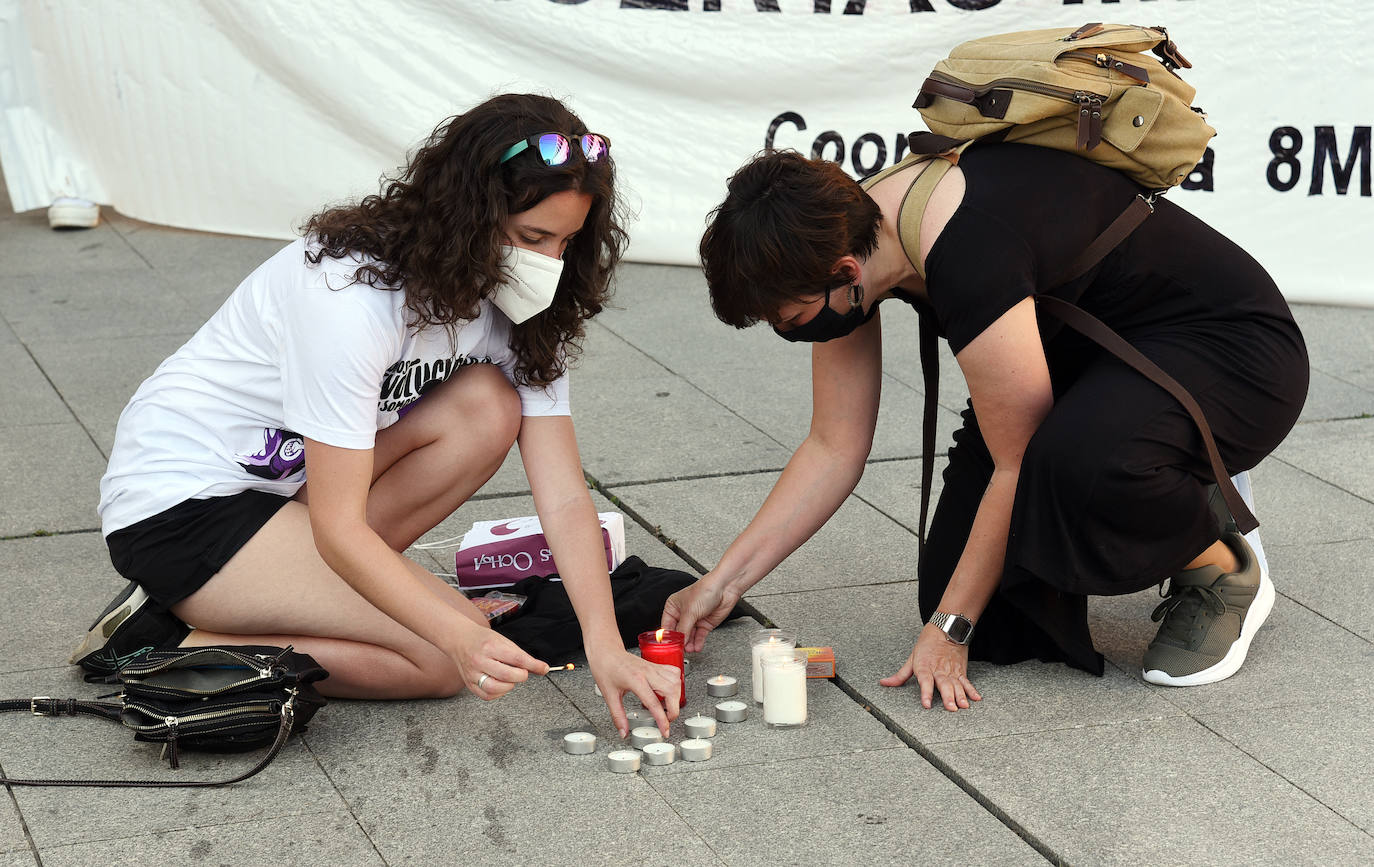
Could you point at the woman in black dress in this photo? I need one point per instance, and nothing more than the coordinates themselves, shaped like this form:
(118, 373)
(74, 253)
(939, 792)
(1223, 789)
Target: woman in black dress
(1072, 474)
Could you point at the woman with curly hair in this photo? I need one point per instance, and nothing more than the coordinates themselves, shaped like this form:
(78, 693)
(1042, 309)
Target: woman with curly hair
(266, 478)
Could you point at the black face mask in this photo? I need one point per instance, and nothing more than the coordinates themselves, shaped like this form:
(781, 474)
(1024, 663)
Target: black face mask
(827, 324)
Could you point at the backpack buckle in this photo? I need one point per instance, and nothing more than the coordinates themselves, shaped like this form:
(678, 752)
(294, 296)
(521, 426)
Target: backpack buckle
(34, 709)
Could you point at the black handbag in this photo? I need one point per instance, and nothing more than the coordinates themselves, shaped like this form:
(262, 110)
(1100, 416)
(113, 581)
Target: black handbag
(219, 699)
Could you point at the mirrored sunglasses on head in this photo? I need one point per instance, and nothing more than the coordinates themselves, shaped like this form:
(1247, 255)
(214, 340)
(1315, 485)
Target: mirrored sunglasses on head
(555, 148)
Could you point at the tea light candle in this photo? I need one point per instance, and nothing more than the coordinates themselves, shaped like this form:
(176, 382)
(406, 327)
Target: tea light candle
(665, 647)
(701, 727)
(659, 754)
(638, 715)
(765, 641)
(784, 689)
(696, 750)
(643, 736)
(624, 761)
(579, 743)
(722, 686)
(732, 711)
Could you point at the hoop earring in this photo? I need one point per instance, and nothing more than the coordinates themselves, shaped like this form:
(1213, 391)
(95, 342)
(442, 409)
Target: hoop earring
(856, 295)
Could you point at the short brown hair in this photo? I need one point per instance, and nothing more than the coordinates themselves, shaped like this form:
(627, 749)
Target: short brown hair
(784, 223)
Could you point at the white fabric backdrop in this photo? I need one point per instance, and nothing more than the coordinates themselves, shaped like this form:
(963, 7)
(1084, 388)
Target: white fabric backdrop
(245, 117)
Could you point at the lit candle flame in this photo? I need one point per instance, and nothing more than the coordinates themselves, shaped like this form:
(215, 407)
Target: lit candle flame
(658, 636)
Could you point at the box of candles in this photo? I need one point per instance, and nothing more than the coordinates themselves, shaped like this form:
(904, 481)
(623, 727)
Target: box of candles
(820, 661)
(495, 554)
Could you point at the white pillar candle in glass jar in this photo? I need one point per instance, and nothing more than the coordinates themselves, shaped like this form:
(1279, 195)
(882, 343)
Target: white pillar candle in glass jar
(784, 689)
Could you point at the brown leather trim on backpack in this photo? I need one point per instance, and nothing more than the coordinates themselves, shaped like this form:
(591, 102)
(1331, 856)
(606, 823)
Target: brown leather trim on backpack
(1086, 30)
(990, 103)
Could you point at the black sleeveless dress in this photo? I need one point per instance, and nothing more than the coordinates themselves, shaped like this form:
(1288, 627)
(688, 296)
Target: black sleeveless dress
(1113, 490)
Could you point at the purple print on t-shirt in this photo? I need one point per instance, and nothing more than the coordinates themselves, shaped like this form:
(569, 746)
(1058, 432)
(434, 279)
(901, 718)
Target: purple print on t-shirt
(283, 454)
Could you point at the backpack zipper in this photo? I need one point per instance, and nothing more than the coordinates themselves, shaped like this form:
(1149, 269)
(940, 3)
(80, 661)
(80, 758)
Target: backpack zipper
(1089, 103)
(1108, 62)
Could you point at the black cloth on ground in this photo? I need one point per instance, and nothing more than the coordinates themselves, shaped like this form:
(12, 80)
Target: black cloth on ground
(1112, 494)
(547, 626)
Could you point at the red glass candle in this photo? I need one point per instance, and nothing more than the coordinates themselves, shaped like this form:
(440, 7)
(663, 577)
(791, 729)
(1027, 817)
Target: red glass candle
(665, 647)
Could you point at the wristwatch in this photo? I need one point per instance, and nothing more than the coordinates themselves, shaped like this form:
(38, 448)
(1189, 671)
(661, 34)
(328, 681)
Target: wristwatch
(956, 627)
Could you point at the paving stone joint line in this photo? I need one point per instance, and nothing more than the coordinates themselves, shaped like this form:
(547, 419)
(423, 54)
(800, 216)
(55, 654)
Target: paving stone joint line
(1276, 772)
(342, 798)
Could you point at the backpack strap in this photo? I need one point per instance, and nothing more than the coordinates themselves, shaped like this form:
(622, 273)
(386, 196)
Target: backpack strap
(1096, 330)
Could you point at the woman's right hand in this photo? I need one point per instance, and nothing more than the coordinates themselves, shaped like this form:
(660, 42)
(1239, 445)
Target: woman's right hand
(697, 609)
(480, 650)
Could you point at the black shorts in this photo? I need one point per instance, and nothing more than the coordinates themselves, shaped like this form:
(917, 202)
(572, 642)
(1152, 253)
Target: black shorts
(172, 554)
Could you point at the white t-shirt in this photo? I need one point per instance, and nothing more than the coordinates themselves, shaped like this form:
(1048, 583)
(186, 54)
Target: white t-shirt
(296, 351)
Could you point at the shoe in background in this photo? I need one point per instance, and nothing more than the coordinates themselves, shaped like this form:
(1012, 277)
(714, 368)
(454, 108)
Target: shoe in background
(67, 212)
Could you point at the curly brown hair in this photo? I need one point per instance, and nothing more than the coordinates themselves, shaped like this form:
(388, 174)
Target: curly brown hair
(785, 222)
(436, 231)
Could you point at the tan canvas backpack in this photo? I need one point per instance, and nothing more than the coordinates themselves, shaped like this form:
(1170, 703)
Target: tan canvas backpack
(1090, 91)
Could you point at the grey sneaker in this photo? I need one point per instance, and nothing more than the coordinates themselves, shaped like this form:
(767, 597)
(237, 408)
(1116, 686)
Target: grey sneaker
(1209, 618)
(129, 627)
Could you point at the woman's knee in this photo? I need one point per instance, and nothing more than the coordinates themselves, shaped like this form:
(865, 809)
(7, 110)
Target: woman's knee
(477, 396)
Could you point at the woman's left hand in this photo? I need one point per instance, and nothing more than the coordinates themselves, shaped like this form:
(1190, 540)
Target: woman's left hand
(937, 663)
(658, 687)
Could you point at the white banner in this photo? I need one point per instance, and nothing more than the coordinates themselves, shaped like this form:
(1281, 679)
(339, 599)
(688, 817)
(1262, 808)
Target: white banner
(246, 117)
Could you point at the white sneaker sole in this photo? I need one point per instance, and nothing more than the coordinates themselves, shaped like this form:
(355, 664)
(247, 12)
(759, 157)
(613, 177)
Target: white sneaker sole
(1231, 662)
(73, 216)
(101, 631)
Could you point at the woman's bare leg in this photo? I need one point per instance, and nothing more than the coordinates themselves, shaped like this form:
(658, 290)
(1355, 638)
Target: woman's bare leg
(278, 590)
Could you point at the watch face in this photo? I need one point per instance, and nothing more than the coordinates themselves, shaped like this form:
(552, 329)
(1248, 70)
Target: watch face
(959, 629)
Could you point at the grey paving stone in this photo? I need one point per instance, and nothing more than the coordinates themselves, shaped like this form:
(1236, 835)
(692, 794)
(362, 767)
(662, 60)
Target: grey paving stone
(323, 838)
(762, 378)
(12, 840)
(1331, 762)
(1297, 657)
(835, 723)
(87, 748)
(1331, 579)
(57, 585)
(98, 377)
(1337, 452)
(636, 421)
(18, 859)
(857, 546)
(109, 303)
(7, 334)
(28, 247)
(1144, 792)
(49, 478)
(26, 395)
(202, 267)
(861, 807)
(1340, 341)
(1296, 508)
(488, 783)
(894, 488)
(872, 630)
(1331, 398)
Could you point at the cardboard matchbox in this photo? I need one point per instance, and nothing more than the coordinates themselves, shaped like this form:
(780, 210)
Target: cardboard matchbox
(820, 661)
(496, 554)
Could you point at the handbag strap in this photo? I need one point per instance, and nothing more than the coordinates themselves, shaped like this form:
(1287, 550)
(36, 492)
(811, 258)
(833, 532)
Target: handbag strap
(46, 706)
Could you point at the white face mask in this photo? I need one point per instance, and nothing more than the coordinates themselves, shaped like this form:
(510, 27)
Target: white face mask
(531, 281)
